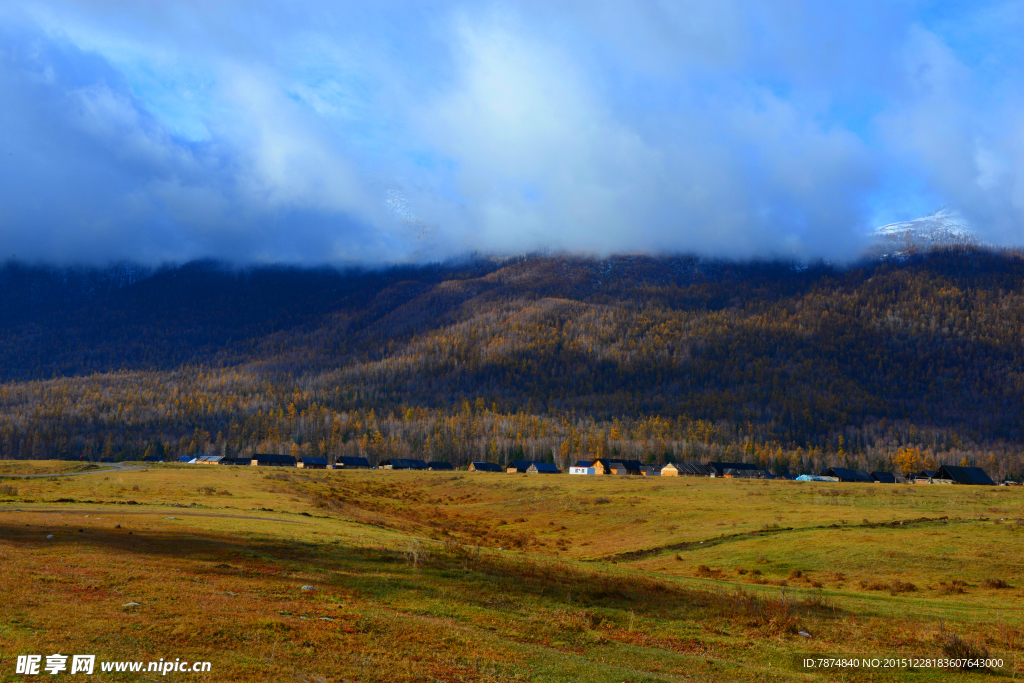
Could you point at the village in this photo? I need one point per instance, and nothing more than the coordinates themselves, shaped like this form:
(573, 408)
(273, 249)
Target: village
(945, 474)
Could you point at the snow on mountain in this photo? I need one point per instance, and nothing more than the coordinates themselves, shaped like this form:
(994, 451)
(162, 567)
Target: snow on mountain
(941, 228)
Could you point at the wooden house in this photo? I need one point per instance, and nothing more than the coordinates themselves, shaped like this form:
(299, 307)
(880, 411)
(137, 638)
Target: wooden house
(582, 467)
(440, 466)
(484, 467)
(518, 466)
(542, 468)
(609, 466)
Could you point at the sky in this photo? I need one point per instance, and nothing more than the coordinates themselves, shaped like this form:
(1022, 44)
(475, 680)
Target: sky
(311, 132)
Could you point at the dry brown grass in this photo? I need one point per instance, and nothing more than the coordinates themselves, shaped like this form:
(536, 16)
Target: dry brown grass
(408, 568)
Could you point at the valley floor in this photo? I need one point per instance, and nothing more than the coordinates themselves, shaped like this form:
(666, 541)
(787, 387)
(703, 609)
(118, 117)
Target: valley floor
(424, 576)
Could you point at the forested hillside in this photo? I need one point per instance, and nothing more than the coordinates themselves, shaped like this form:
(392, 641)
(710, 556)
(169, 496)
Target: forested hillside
(553, 358)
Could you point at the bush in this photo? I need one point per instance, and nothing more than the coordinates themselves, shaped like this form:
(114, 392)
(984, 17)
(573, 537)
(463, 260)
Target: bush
(8, 490)
(955, 647)
(707, 572)
(995, 583)
(955, 587)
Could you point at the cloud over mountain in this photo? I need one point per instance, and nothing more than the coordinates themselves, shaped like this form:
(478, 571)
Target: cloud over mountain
(316, 132)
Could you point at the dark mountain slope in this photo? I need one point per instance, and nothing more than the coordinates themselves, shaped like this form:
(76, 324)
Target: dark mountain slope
(736, 353)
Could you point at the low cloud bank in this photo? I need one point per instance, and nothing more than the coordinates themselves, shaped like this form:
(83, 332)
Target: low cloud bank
(312, 133)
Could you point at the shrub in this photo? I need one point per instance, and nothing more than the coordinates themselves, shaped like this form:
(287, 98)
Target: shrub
(796, 574)
(955, 647)
(898, 586)
(895, 587)
(955, 587)
(995, 583)
(602, 500)
(8, 490)
(707, 572)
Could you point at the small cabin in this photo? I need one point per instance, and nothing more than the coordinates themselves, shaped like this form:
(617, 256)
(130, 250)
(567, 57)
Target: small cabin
(883, 477)
(312, 463)
(440, 466)
(650, 471)
(484, 467)
(542, 468)
(518, 467)
(607, 466)
(209, 460)
(237, 460)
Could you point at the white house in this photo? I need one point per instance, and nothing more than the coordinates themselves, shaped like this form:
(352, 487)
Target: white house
(582, 467)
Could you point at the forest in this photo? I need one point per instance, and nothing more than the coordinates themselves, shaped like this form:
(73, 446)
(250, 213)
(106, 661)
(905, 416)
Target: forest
(886, 363)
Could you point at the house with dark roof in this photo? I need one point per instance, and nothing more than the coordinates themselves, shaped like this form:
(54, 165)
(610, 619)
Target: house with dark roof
(440, 466)
(731, 473)
(953, 474)
(236, 460)
(518, 466)
(718, 468)
(616, 466)
(484, 467)
(884, 477)
(923, 477)
(403, 464)
(312, 463)
(152, 458)
(582, 467)
(542, 468)
(351, 462)
(650, 470)
(848, 475)
(272, 460)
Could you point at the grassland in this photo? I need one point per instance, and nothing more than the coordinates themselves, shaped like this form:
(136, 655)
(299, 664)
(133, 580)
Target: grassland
(493, 577)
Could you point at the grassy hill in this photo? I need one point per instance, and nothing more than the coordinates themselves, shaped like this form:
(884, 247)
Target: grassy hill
(495, 577)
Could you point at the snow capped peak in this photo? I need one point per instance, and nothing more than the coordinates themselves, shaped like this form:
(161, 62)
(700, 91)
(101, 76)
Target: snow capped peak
(941, 228)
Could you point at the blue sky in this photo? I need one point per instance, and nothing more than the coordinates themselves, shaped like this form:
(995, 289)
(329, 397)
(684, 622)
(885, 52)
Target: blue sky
(329, 132)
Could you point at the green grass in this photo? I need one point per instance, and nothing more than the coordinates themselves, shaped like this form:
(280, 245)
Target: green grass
(602, 579)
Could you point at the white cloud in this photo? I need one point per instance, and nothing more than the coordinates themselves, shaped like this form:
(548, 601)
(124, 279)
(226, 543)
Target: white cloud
(280, 131)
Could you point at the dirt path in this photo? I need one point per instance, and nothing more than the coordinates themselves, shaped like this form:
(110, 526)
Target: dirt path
(631, 555)
(115, 467)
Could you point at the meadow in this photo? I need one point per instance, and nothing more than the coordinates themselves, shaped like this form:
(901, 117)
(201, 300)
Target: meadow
(461, 576)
